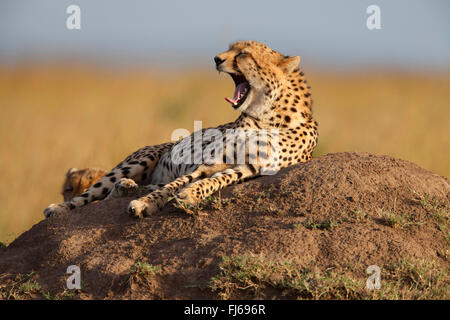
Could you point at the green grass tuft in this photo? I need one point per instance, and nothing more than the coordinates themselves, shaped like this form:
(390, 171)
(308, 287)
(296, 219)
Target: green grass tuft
(326, 224)
(143, 268)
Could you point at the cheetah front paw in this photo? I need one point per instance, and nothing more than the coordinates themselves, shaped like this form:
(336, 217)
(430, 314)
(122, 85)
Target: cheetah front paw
(187, 196)
(123, 188)
(55, 208)
(140, 209)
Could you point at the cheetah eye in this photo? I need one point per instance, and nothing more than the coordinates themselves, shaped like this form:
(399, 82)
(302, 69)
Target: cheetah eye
(68, 190)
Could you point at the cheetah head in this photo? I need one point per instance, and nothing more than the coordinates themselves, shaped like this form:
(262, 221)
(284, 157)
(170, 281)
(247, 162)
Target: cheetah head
(259, 74)
(79, 180)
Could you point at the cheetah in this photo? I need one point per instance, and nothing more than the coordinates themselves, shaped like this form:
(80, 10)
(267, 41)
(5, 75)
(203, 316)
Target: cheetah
(272, 97)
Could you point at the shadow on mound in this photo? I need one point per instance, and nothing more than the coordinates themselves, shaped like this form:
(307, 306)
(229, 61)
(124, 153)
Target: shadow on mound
(308, 232)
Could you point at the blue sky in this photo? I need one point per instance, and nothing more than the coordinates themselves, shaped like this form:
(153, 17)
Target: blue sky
(414, 34)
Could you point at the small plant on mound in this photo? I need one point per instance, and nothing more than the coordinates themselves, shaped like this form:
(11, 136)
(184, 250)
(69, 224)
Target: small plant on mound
(25, 287)
(211, 202)
(21, 287)
(394, 219)
(438, 209)
(143, 268)
(64, 295)
(391, 219)
(144, 275)
(326, 224)
(357, 215)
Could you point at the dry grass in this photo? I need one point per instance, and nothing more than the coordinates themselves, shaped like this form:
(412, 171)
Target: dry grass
(56, 118)
(253, 277)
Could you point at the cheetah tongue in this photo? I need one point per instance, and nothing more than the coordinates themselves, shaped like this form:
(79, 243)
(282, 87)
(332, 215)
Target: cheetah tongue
(241, 88)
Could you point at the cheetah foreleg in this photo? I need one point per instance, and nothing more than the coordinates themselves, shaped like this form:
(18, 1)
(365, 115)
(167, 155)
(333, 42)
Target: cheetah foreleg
(203, 188)
(124, 187)
(154, 202)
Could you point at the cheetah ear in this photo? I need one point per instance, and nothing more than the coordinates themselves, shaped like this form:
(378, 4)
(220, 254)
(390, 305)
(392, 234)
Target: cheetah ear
(71, 171)
(90, 176)
(289, 64)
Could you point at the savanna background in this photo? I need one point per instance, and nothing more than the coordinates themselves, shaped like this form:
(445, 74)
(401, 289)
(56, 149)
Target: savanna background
(137, 70)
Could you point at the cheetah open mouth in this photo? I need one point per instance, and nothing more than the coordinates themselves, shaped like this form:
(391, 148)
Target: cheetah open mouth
(241, 91)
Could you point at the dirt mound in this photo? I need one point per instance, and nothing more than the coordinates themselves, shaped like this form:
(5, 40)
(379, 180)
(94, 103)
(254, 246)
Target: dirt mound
(310, 231)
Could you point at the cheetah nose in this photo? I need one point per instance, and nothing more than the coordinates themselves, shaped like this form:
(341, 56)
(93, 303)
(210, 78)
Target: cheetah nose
(218, 61)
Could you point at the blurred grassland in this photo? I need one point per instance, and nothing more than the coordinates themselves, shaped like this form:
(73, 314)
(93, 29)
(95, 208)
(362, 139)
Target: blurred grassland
(58, 117)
